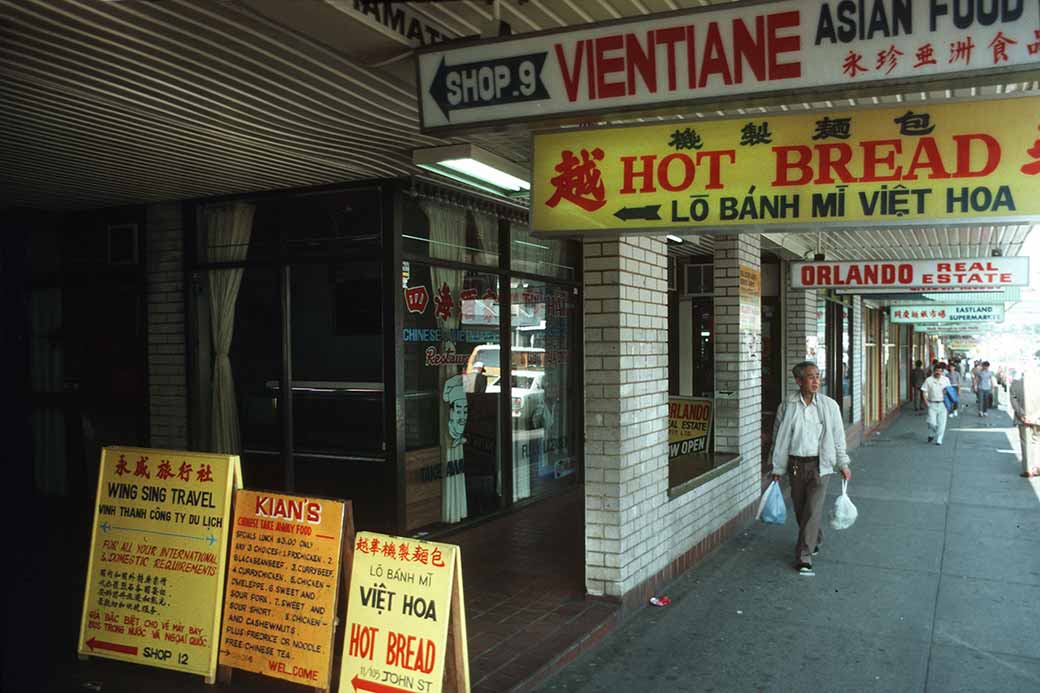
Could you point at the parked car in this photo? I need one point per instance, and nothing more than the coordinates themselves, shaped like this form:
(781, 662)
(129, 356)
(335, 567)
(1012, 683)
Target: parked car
(526, 397)
(523, 358)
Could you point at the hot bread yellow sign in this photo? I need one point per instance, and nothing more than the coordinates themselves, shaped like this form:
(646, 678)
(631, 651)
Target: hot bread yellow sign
(916, 163)
(402, 594)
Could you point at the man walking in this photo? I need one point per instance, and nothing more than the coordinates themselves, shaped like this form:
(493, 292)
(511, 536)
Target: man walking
(933, 391)
(954, 395)
(917, 377)
(985, 383)
(1025, 404)
(808, 445)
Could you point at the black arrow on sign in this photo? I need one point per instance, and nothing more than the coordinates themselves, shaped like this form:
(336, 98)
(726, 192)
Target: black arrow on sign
(471, 81)
(649, 213)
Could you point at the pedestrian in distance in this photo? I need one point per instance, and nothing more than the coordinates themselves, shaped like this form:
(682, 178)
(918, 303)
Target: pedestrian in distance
(1025, 405)
(808, 446)
(934, 391)
(917, 378)
(984, 377)
(955, 383)
(975, 385)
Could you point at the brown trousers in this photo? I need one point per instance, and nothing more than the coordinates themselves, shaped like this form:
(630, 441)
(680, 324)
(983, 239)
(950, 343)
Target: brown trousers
(808, 491)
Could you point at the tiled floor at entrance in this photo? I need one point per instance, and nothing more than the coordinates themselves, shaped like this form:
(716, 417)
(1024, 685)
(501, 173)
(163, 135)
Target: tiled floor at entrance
(526, 609)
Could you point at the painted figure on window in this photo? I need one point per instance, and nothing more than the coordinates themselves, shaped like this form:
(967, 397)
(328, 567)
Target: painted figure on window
(454, 507)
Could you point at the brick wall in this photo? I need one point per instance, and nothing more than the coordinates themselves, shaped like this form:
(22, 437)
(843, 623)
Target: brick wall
(635, 534)
(167, 381)
(799, 317)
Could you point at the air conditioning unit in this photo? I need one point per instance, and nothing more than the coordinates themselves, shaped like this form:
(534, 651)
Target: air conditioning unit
(700, 279)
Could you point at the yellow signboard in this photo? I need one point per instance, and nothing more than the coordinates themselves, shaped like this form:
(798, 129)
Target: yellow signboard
(156, 574)
(689, 425)
(951, 162)
(403, 592)
(283, 578)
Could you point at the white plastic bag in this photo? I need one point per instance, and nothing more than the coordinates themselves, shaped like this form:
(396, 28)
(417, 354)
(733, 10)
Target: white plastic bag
(844, 513)
(771, 509)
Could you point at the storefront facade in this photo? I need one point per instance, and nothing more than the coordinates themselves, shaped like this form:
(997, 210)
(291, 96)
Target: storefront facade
(443, 362)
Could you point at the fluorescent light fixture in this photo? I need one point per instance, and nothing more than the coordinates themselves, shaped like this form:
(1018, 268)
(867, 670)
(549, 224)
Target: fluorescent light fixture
(674, 239)
(474, 166)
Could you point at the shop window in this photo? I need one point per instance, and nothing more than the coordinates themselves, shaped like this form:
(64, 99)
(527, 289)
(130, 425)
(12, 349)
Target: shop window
(337, 359)
(546, 257)
(453, 393)
(543, 372)
(256, 365)
(448, 232)
(691, 364)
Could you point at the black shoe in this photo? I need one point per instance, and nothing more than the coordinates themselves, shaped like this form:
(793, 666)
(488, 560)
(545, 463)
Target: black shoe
(805, 569)
(816, 550)
(929, 439)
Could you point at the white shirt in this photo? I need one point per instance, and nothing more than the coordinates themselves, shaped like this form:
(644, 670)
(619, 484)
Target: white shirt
(935, 389)
(807, 429)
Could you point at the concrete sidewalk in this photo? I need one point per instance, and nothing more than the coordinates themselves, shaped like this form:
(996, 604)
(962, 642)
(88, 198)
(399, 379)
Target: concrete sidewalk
(935, 588)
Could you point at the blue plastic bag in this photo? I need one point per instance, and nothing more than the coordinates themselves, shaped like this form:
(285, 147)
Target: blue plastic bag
(771, 508)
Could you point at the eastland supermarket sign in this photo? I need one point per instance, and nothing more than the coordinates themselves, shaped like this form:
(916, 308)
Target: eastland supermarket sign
(736, 52)
(949, 163)
(919, 314)
(969, 274)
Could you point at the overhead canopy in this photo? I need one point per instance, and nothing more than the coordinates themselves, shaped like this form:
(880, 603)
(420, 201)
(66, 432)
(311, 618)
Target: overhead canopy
(107, 104)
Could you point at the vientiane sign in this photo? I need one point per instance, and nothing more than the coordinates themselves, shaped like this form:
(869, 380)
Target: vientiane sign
(907, 274)
(915, 164)
(726, 53)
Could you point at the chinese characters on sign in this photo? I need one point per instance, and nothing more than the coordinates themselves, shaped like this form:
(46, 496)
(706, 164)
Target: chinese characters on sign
(947, 313)
(401, 601)
(885, 167)
(156, 572)
(283, 579)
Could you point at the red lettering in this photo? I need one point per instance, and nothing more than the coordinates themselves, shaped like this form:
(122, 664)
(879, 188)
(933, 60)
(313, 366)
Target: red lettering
(669, 37)
(906, 274)
(784, 165)
(753, 50)
(607, 66)
(688, 172)
(314, 513)
(927, 156)
(643, 61)
(872, 159)
(691, 57)
(571, 76)
(263, 506)
(715, 166)
(823, 275)
(715, 61)
(783, 44)
(888, 274)
(943, 267)
(1005, 278)
(964, 169)
(854, 276)
(870, 274)
(647, 174)
(808, 276)
(590, 64)
(839, 163)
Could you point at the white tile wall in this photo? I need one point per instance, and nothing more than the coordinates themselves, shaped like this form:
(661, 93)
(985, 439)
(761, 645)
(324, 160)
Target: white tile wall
(633, 530)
